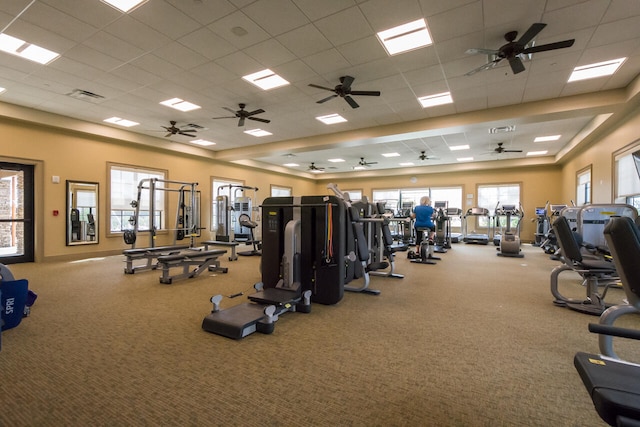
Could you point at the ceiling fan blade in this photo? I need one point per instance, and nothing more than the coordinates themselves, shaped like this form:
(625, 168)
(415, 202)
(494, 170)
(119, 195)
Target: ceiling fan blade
(241, 121)
(346, 82)
(254, 112)
(258, 119)
(511, 151)
(326, 99)
(516, 65)
(186, 134)
(168, 135)
(224, 117)
(486, 66)
(365, 92)
(475, 50)
(230, 110)
(533, 31)
(550, 46)
(186, 130)
(320, 87)
(351, 102)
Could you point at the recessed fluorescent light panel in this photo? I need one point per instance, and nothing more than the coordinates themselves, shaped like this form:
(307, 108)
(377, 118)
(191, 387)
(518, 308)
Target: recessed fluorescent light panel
(317, 171)
(406, 37)
(359, 168)
(459, 147)
(437, 99)
(25, 50)
(2, 89)
(390, 154)
(536, 153)
(291, 165)
(124, 5)
(266, 79)
(121, 122)
(179, 104)
(336, 160)
(599, 69)
(546, 138)
(464, 159)
(331, 119)
(258, 132)
(407, 164)
(202, 142)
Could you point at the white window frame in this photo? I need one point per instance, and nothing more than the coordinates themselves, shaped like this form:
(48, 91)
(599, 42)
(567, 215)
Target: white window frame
(505, 194)
(583, 186)
(281, 191)
(626, 177)
(123, 192)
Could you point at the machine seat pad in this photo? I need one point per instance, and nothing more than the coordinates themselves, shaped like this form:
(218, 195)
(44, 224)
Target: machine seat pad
(374, 266)
(614, 386)
(195, 255)
(144, 251)
(275, 296)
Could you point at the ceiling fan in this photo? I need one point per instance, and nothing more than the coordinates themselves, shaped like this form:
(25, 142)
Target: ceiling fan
(313, 168)
(242, 114)
(174, 130)
(343, 90)
(513, 50)
(423, 156)
(500, 149)
(366, 164)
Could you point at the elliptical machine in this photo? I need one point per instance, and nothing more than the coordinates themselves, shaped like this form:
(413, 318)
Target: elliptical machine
(510, 239)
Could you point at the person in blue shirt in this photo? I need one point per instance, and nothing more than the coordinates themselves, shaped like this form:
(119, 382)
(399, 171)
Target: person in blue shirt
(422, 215)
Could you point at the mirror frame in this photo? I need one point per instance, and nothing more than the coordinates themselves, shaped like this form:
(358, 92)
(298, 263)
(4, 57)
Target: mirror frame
(79, 232)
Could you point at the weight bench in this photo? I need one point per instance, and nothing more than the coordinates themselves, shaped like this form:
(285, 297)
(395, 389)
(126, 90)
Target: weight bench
(231, 245)
(202, 260)
(259, 315)
(149, 255)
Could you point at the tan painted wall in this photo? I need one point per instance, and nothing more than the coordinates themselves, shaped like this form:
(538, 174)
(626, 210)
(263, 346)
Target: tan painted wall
(77, 157)
(600, 158)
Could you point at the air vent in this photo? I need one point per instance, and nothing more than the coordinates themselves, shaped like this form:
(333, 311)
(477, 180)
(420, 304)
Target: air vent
(502, 129)
(85, 95)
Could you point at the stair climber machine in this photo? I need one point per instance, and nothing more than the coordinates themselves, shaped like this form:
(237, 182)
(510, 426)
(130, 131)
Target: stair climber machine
(509, 239)
(295, 271)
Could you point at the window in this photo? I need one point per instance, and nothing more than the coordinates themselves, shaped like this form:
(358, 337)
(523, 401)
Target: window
(123, 189)
(354, 195)
(627, 176)
(583, 187)
(490, 195)
(402, 201)
(279, 191)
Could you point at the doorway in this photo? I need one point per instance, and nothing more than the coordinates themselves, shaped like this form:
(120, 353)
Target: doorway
(16, 213)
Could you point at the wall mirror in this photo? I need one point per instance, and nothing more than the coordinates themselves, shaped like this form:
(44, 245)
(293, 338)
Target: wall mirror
(82, 213)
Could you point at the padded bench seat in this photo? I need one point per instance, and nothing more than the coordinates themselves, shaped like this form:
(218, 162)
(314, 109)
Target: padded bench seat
(148, 254)
(231, 245)
(202, 260)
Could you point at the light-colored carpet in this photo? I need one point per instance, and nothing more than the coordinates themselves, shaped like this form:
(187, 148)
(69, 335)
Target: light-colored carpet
(472, 341)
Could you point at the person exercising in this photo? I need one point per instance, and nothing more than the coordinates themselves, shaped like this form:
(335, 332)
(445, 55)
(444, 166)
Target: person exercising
(422, 215)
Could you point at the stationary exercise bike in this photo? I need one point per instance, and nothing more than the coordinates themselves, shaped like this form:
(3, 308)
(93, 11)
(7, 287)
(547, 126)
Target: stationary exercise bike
(425, 255)
(510, 239)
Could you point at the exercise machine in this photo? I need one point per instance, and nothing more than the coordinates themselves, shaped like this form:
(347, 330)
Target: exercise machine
(237, 213)
(612, 383)
(295, 271)
(543, 225)
(509, 239)
(442, 221)
(477, 213)
(187, 222)
(426, 249)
